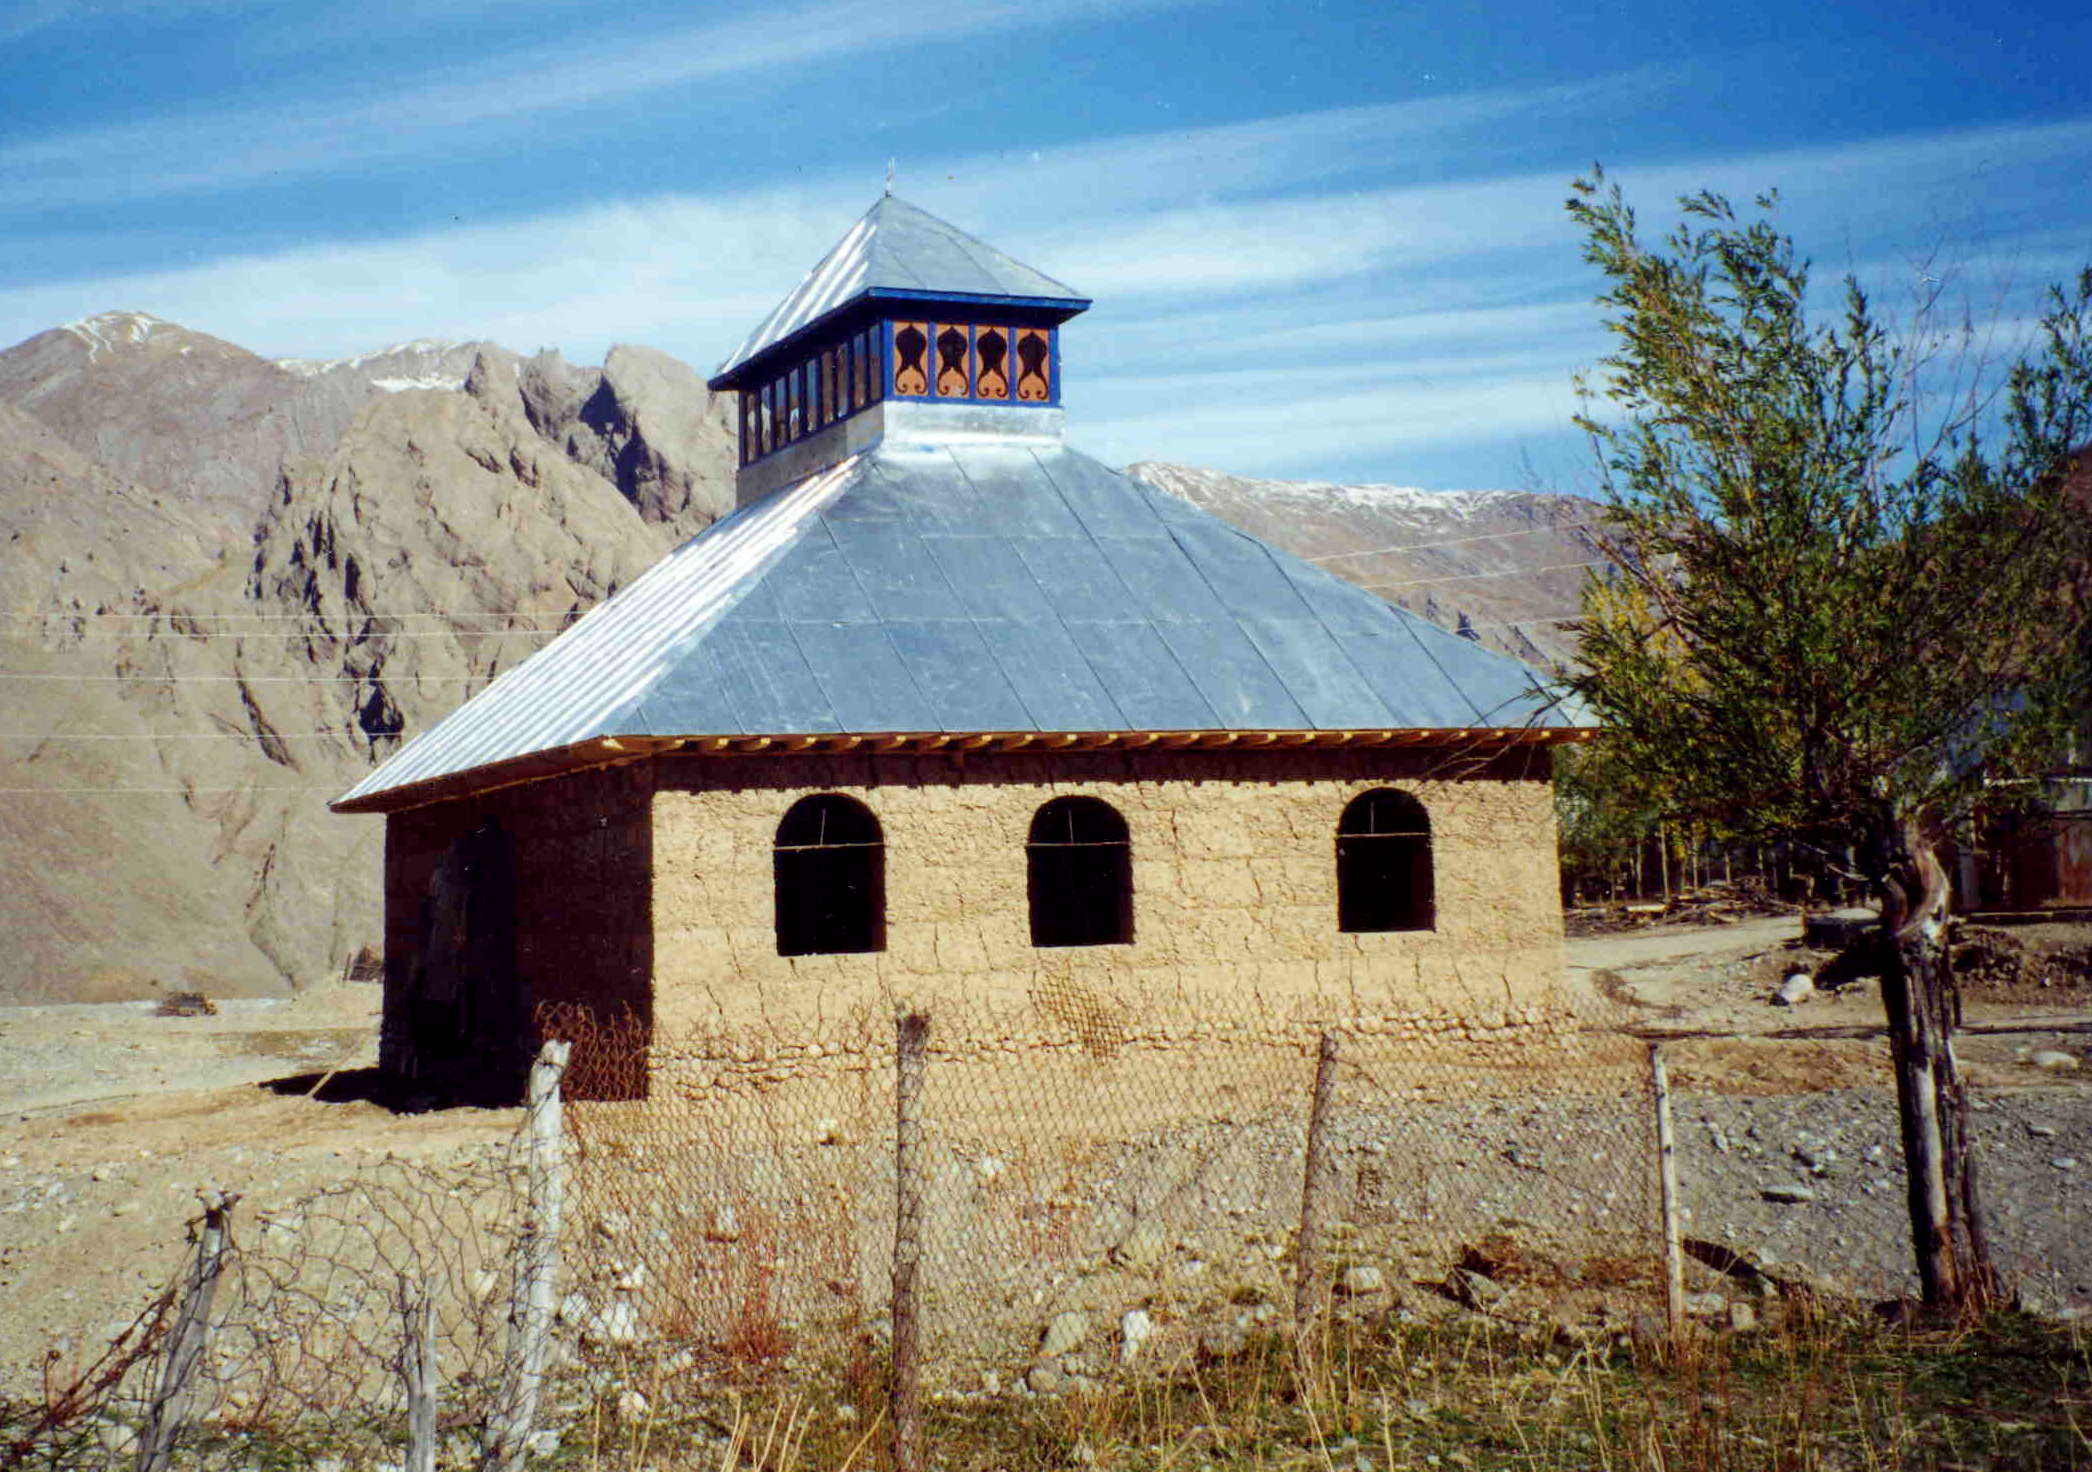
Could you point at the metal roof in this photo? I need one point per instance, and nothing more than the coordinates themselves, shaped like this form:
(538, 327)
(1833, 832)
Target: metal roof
(898, 248)
(976, 587)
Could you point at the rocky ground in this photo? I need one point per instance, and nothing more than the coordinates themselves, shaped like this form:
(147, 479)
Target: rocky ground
(115, 1120)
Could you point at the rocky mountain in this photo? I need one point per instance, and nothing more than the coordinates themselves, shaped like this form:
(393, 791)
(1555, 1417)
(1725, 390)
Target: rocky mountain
(228, 584)
(1505, 565)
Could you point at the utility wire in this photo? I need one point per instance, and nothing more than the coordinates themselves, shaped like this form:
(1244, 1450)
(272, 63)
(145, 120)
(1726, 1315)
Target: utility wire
(1463, 577)
(1531, 531)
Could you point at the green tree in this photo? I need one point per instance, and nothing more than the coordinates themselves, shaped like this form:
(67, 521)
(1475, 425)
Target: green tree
(1840, 595)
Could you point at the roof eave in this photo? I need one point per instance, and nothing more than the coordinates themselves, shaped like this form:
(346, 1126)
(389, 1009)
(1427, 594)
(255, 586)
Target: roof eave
(610, 751)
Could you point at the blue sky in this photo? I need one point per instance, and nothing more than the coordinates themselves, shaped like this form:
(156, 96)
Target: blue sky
(1326, 241)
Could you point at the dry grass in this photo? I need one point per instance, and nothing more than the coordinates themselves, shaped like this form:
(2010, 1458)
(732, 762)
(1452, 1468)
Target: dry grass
(1829, 1394)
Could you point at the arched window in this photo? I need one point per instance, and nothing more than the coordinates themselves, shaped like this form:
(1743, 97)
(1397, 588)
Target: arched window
(830, 868)
(1080, 874)
(1384, 864)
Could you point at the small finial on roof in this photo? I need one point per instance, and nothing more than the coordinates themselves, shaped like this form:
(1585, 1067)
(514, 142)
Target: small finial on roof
(889, 178)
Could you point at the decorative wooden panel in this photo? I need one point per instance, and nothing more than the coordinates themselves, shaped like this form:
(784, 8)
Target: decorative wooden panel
(954, 362)
(991, 356)
(911, 357)
(1034, 366)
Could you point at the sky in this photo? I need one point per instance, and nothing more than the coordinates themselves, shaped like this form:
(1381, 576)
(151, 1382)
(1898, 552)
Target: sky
(1325, 241)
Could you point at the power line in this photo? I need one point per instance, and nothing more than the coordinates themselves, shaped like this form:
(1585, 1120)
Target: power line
(180, 791)
(1530, 531)
(176, 614)
(251, 679)
(502, 633)
(177, 735)
(1463, 577)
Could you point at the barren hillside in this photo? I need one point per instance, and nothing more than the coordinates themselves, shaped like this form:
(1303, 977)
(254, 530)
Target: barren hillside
(230, 584)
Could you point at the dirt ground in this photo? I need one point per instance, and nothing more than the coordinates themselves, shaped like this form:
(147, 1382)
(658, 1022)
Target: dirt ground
(113, 1121)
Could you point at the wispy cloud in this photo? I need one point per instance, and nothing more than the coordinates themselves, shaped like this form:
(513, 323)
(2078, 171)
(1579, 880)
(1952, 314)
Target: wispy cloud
(1249, 286)
(457, 110)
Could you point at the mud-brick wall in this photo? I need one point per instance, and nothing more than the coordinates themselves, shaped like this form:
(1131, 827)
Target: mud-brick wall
(1234, 883)
(578, 850)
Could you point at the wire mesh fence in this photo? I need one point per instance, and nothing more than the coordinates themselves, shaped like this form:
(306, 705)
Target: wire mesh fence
(1102, 1190)
(1045, 1198)
(281, 1342)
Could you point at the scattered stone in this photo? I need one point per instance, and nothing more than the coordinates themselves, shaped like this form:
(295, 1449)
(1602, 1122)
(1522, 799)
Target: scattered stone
(631, 1406)
(1705, 1305)
(1141, 1246)
(2053, 1059)
(1223, 1341)
(542, 1444)
(1134, 1330)
(1742, 1317)
(1361, 1279)
(989, 1167)
(828, 1131)
(1474, 1290)
(1065, 1332)
(2042, 1131)
(1788, 1193)
(2064, 1162)
(1796, 989)
(617, 1324)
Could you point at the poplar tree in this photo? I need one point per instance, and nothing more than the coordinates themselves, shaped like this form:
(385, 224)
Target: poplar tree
(1844, 594)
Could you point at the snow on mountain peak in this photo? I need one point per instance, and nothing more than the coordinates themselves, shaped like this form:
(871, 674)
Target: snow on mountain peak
(1381, 498)
(113, 329)
(420, 347)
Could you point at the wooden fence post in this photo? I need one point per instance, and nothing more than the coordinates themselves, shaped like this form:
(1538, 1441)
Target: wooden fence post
(417, 1367)
(1307, 1252)
(192, 1327)
(906, 1404)
(1667, 1177)
(537, 1268)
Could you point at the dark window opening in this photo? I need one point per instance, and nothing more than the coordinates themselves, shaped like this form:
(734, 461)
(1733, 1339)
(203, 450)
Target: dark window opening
(830, 869)
(952, 354)
(992, 348)
(1080, 874)
(1034, 367)
(1384, 877)
(911, 348)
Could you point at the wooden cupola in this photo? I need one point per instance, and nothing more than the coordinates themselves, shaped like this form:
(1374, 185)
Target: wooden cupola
(909, 327)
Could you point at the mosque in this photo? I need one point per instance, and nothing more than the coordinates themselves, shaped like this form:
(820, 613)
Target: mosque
(946, 708)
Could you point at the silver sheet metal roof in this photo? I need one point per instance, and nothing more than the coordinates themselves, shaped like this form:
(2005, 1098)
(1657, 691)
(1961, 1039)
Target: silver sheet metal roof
(976, 588)
(897, 247)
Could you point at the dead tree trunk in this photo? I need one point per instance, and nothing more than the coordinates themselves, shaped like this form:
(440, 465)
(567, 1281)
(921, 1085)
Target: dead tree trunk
(1923, 1006)
(170, 1404)
(537, 1270)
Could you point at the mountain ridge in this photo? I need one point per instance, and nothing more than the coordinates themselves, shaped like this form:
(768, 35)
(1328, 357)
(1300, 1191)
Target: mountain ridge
(234, 583)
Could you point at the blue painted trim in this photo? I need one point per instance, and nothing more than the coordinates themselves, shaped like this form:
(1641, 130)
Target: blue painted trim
(825, 326)
(1071, 305)
(801, 380)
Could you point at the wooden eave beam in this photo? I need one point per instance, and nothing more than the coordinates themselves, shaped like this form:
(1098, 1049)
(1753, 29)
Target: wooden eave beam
(610, 751)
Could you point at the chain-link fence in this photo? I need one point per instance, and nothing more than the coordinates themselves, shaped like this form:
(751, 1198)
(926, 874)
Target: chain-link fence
(1021, 1201)
(1101, 1191)
(283, 1340)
